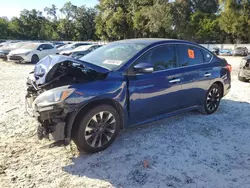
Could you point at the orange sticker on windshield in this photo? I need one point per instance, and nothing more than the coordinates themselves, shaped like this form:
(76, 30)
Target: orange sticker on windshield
(191, 54)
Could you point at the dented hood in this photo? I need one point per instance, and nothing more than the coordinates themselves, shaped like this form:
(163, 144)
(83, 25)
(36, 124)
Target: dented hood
(43, 67)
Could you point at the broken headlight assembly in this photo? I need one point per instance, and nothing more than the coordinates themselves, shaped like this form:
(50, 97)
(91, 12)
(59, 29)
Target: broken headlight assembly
(52, 96)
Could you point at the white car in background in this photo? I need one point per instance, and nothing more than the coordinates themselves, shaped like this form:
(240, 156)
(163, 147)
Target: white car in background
(72, 46)
(32, 52)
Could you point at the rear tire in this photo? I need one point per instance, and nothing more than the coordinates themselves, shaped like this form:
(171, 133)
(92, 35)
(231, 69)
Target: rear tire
(212, 100)
(34, 59)
(97, 129)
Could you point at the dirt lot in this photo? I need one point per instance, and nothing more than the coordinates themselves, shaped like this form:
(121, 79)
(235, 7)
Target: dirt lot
(188, 150)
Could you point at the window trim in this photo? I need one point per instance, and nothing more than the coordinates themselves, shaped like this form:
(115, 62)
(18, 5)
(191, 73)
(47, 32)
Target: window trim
(177, 57)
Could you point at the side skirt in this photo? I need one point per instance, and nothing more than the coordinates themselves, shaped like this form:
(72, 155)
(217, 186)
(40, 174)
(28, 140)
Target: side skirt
(163, 116)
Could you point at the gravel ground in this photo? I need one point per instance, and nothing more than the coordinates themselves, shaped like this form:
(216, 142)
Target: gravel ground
(188, 150)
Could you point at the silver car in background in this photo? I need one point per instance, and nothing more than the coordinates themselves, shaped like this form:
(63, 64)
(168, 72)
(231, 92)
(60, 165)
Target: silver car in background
(240, 51)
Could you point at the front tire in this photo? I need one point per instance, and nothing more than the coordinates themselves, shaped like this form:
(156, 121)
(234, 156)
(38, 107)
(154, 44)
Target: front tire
(212, 99)
(97, 129)
(34, 59)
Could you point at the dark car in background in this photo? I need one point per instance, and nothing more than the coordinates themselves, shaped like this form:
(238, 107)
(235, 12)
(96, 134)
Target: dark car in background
(215, 50)
(2, 42)
(83, 50)
(240, 51)
(244, 71)
(122, 84)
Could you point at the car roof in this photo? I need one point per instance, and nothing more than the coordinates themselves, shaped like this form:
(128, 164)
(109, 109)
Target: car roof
(149, 41)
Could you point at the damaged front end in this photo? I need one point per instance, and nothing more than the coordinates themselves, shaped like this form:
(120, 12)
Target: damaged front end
(244, 69)
(47, 88)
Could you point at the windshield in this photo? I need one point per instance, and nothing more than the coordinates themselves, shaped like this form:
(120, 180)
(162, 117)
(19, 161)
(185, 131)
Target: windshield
(70, 45)
(113, 55)
(29, 46)
(84, 47)
(65, 46)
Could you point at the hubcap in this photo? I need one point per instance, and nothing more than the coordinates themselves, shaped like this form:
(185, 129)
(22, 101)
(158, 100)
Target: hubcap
(213, 99)
(100, 129)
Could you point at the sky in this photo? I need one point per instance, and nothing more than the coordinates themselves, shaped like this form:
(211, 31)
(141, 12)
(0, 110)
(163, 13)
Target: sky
(10, 8)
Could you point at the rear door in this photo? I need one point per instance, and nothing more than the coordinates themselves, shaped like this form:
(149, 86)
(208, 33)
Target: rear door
(157, 93)
(197, 73)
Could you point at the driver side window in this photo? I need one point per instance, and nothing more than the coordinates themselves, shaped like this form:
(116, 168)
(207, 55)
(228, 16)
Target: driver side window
(40, 47)
(161, 58)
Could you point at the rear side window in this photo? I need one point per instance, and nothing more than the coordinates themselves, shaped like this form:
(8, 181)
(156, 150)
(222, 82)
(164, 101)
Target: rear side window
(162, 57)
(189, 55)
(206, 56)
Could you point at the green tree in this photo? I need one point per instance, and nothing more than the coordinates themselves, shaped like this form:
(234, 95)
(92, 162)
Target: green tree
(113, 18)
(4, 28)
(235, 19)
(205, 28)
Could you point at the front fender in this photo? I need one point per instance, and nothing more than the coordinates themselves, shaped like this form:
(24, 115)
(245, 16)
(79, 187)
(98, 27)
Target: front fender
(98, 90)
(92, 92)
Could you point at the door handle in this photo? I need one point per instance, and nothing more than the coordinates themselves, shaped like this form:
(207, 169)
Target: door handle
(207, 74)
(175, 80)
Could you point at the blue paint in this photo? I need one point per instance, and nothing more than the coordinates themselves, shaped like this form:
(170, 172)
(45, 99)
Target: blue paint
(152, 96)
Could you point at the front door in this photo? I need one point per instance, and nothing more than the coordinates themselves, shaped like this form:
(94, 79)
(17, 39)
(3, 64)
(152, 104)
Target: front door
(157, 93)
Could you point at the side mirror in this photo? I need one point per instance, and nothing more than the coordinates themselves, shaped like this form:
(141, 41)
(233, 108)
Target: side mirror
(144, 68)
(40, 49)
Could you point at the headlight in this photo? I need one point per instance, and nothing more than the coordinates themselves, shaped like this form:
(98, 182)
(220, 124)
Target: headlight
(52, 97)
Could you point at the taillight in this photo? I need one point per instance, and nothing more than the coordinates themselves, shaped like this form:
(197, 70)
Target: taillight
(229, 67)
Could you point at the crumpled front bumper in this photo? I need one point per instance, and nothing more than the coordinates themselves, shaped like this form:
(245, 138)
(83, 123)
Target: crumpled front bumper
(51, 118)
(54, 121)
(244, 69)
(245, 73)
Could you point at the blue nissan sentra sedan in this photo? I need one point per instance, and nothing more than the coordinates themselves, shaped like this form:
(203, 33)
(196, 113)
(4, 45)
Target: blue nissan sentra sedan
(122, 84)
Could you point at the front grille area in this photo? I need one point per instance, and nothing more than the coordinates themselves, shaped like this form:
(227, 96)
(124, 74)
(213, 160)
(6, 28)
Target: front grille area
(2, 56)
(15, 58)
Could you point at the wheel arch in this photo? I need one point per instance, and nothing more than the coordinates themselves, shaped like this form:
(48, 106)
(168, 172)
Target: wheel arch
(220, 84)
(83, 109)
(33, 55)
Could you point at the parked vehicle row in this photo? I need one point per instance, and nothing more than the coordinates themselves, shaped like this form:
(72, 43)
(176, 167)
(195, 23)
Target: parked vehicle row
(122, 84)
(33, 52)
(80, 51)
(238, 51)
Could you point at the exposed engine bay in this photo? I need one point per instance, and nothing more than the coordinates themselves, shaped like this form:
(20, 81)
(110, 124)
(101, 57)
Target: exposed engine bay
(56, 71)
(61, 74)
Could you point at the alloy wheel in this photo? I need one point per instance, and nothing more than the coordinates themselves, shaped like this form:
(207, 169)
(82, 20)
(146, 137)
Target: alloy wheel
(213, 99)
(100, 129)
